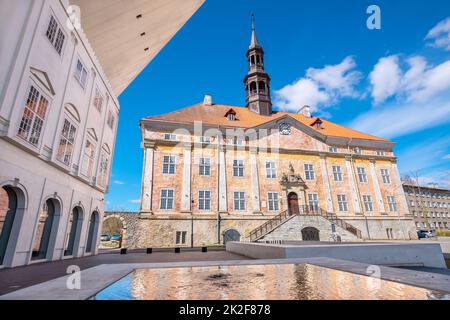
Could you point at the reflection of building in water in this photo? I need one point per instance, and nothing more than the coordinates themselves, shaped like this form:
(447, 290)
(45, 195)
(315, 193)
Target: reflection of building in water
(266, 282)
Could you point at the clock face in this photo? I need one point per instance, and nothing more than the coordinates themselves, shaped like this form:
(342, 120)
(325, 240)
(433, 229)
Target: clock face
(285, 129)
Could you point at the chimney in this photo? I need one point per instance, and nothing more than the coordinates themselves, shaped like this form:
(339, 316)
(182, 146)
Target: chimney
(305, 110)
(207, 100)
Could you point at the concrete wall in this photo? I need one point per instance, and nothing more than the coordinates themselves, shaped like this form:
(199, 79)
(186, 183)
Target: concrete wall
(428, 255)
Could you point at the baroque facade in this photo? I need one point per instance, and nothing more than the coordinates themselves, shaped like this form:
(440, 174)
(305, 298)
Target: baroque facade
(214, 172)
(429, 206)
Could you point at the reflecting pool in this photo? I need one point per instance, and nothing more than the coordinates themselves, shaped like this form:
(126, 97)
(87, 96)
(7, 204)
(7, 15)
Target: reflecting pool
(259, 282)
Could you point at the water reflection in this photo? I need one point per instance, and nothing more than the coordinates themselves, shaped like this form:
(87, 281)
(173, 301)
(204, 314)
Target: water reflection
(259, 282)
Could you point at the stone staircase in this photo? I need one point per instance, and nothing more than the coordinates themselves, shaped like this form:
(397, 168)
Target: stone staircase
(307, 211)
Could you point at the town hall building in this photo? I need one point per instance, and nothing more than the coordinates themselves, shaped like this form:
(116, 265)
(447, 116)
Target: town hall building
(214, 173)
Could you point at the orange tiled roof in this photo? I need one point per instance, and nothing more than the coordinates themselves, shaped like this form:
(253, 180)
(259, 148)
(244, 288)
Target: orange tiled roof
(215, 115)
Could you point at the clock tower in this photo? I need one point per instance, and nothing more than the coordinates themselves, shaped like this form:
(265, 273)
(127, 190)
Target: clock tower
(257, 81)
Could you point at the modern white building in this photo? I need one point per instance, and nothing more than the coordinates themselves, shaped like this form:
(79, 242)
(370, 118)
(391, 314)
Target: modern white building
(59, 112)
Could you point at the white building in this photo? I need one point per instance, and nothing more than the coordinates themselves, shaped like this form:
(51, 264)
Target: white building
(59, 114)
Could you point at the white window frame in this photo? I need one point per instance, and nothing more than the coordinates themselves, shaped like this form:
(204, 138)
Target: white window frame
(78, 74)
(58, 32)
(368, 202)
(30, 137)
(342, 202)
(362, 175)
(385, 176)
(168, 199)
(333, 149)
(337, 173)
(273, 201)
(170, 164)
(204, 201)
(309, 171)
(313, 201)
(238, 168)
(240, 200)
(204, 167)
(98, 99)
(67, 152)
(392, 203)
(87, 165)
(170, 137)
(180, 237)
(271, 170)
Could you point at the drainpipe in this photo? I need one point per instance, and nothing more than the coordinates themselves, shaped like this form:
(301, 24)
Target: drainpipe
(218, 186)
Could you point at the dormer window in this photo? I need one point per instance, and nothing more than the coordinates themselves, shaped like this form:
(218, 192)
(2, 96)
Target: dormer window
(231, 115)
(381, 153)
(357, 150)
(170, 136)
(317, 123)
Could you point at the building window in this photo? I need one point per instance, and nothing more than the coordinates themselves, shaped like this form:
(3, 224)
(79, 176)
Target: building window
(385, 176)
(204, 167)
(271, 170)
(238, 141)
(362, 174)
(33, 117)
(166, 201)
(313, 201)
(205, 139)
(337, 173)
(88, 159)
(170, 136)
(181, 237)
(169, 165)
(368, 204)
(98, 100)
(66, 142)
(238, 168)
(110, 119)
(204, 200)
(381, 153)
(231, 117)
(103, 172)
(273, 201)
(392, 204)
(55, 35)
(81, 74)
(357, 150)
(342, 202)
(239, 201)
(309, 171)
(411, 203)
(332, 149)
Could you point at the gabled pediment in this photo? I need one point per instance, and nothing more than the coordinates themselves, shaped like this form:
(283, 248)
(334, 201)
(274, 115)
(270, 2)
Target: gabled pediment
(43, 79)
(92, 134)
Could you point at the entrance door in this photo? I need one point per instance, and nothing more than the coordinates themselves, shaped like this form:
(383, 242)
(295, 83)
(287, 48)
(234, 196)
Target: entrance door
(293, 203)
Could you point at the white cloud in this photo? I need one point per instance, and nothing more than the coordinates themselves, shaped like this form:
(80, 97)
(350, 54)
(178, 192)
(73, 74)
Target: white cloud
(418, 83)
(118, 182)
(320, 87)
(385, 78)
(135, 201)
(439, 36)
(394, 120)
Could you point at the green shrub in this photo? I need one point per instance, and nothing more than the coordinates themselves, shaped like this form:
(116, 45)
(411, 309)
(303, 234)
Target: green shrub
(443, 233)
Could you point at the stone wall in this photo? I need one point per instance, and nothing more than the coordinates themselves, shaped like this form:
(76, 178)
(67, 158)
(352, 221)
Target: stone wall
(130, 224)
(292, 230)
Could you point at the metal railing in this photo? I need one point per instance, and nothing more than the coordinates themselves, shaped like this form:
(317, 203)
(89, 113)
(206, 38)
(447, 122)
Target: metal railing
(309, 210)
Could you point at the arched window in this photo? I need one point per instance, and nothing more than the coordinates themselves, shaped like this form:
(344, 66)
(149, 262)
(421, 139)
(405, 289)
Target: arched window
(252, 61)
(8, 207)
(262, 87)
(43, 235)
(92, 232)
(231, 235)
(74, 230)
(68, 135)
(258, 60)
(253, 87)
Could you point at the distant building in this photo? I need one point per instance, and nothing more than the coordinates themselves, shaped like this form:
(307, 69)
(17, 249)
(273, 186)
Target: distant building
(430, 206)
(59, 114)
(214, 173)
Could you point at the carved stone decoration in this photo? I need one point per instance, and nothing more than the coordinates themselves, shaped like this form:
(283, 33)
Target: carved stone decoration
(291, 178)
(285, 129)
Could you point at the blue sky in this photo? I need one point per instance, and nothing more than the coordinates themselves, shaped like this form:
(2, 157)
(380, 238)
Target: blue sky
(393, 82)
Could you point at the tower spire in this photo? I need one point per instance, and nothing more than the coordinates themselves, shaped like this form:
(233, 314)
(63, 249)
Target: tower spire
(257, 81)
(254, 41)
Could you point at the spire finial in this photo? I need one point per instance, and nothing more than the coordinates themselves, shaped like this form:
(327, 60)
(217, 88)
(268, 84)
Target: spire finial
(253, 22)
